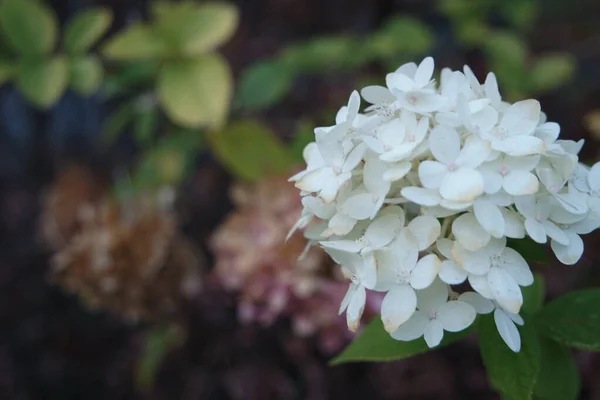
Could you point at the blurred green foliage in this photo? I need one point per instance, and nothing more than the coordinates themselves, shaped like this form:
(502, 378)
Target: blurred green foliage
(193, 83)
(40, 70)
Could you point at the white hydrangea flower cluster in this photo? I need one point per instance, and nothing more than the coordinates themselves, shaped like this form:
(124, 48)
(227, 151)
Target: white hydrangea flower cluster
(377, 185)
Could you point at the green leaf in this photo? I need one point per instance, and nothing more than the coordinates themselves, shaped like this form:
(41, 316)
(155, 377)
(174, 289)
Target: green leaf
(322, 54)
(158, 342)
(196, 92)
(29, 26)
(375, 344)
(86, 29)
(250, 150)
(138, 42)
(116, 122)
(303, 136)
(552, 71)
(130, 76)
(533, 295)
(86, 74)
(263, 84)
(558, 378)
(512, 374)
(530, 250)
(144, 126)
(7, 70)
(43, 81)
(401, 34)
(573, 319)
(195, 29)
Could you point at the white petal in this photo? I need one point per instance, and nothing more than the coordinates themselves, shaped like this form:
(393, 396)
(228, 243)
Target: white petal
(505, 289)
(412, 329)
(432, 173)
(520, 146)
(555, 233)
(517, 267)
(463, 184)
(452, 273)
(444, 246)
(424, 72)
(420, 101)
(397, 172)
(350, 246)
(434, 333)
(513, 226)
(425, 272)
(469, 233)
(431, 298)
(347, 297)
(399, 82)
(480, 303)
(507, 330)
(421, 196)
(519, 183)
(474, 152)
(535, 230)
(444, 144)
(456, 316)
(594, 177)
(489, 217)
(397, 307)
(315, 180)
(570, 254)
(426, 230)
(340, 225)
(522, 117)
(354, 157)
(359, 206)
(382, 231)
(356, 308)
(492, 180)
(377, 94)
(373, 176)
(480, 284)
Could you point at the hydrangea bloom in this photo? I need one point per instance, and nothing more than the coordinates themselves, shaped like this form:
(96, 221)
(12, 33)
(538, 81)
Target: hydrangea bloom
(378, 184)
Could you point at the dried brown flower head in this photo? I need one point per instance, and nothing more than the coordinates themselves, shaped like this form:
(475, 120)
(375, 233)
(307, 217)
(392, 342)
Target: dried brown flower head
(75, 191)
(127, 257)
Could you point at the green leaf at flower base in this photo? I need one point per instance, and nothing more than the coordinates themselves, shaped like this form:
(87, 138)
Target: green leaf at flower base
(86, 74)
(530, 250)
(195, 29)
(43, 81)
(512, 374)
(196, 92)
(573, 319)
(250, 150)
(138, 42)
(551, 71)
(533, 295)
(29, 26)
(86, 29)
(375, 344)
(558, 378)
(263, 84)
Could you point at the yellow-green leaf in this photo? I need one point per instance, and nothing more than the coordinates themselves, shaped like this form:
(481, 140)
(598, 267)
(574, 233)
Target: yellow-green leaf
(263, 84)
(43, 81)
(139, 42)
(196, 28)
(29, 26)
(196, 92)
(552, 71)
(86, 29)
(250, 150)
(86, 74)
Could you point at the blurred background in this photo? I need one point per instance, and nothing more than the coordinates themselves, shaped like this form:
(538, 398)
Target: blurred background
(144, 150)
